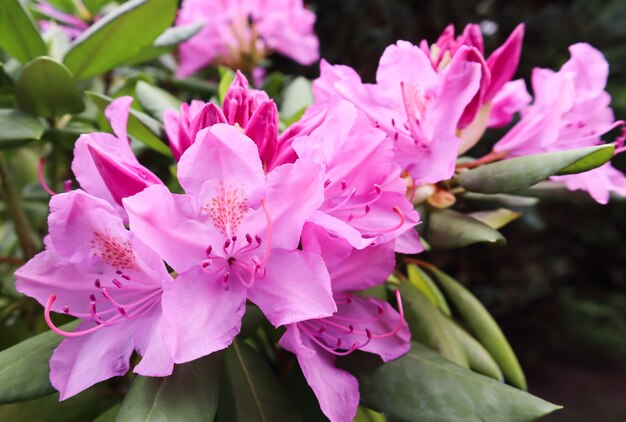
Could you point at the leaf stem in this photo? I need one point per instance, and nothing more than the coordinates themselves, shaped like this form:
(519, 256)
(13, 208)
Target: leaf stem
(22, 225)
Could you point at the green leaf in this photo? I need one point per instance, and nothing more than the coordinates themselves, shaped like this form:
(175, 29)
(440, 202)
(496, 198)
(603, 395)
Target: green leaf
(251, 392)
(109, 415)
(167, 41)
(118, 37)
(448, 229)
(191, 394)
(422, 385)
(425, 284)
(84, 407)
(429, 326)
(484, 327)
(46, 88)
(366, 415)
(154, 100)
(521, 173)
(17, 128)
(496, 219)
(25, 369)
(478, 358)
(19, 35)
(227, 76)
(141, 126)
(297, 97)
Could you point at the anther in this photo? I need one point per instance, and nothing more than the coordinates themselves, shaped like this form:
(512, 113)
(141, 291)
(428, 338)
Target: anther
(208, 251)
(117, 283)
(248, 238)
(326, 183)
(125, 277)
(92, 297)
(97, 283)
(66, 309)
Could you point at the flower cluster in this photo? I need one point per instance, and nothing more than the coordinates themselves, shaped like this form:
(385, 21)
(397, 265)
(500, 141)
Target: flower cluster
(298, 222)
(168, 275)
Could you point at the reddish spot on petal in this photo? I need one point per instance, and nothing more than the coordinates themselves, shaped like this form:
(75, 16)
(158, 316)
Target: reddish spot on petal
(227, 209)
(113, 250)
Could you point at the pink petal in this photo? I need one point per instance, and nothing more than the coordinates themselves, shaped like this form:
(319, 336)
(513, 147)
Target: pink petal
(295, 288)
(117, 113)
(80, 362)
(156, 360)
(263, 130)
(233, 157)
(200, 316)
(504, 60)
(336, 390)
(512, 98)
(170, 224)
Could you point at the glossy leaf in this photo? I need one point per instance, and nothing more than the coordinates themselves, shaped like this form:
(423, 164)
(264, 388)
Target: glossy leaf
(154, 100)
(484, 327)
(84, 407)
(25, 369)
(46, 88)
(496, 219)
(167, 41)
(297, 97)
(17, 128)
(425, 284)
(118, 37)
(141, 126)
(251, 391)
(429, 326)
(448, 229)
(422, 385)
(191, 394)
(521, 173)
(478, 358)
(19, 35)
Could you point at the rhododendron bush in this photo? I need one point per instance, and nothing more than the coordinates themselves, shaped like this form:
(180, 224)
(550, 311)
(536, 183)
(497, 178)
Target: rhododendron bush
(194, 238)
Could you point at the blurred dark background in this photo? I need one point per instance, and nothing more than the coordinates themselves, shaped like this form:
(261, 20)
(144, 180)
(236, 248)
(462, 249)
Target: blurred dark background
(558, 288)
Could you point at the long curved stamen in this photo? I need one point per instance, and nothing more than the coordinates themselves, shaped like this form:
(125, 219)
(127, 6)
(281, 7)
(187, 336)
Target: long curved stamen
(396, 210)
(268, 246)
(57, 330)
(327, 348)
(344, 201)
(400, 321)
(44, 185)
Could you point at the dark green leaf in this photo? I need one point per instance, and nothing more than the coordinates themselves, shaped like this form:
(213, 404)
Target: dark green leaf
(190, 394)
(448, 229)
(16, 128)
(46, 88)
(424, 386)
(521, 173)
(109, 415)
(154, 100)
(484, 327)
(141, 126)
(84, 407)
(118, 37)
(19, 35)
(24, 368)
(251, 391)
(478, 358)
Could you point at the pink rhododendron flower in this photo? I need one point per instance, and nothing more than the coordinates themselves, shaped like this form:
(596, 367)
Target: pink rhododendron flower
(364, 195)
(232, 236)
(94, 269)
(240, 33)
(571, 110)
(105, 165)
(249, 109)
(501, 64)
(418, 107)
(360, 323)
